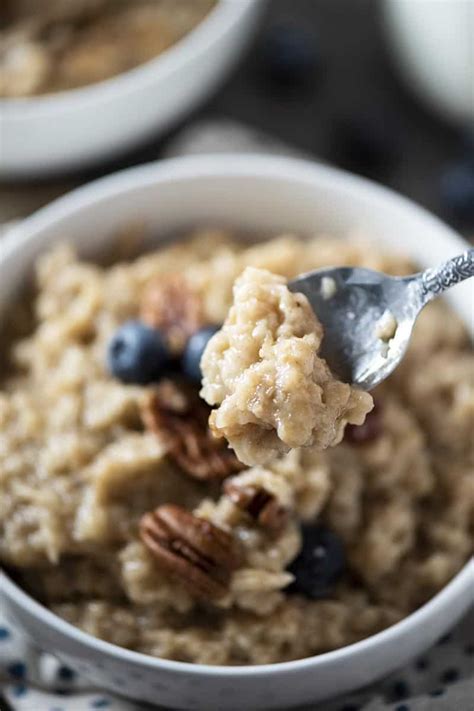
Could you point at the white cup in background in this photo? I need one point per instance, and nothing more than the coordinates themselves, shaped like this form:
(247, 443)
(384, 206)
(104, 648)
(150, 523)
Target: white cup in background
(432, 42)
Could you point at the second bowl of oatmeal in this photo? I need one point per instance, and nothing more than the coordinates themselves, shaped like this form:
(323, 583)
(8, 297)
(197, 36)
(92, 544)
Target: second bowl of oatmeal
(87, 481)
(83, 81)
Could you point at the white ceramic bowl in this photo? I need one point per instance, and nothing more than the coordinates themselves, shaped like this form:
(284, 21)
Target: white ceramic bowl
(432, 43)
(74, 129)
(263, 194)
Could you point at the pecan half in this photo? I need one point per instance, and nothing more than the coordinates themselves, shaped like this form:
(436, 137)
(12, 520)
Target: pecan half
(200, 554)
(170, 304)
(258, 503)
(177, 414)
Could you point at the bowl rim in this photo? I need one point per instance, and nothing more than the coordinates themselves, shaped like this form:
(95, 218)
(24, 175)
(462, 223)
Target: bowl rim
(229, 166)
(215, 24)
(389, 635)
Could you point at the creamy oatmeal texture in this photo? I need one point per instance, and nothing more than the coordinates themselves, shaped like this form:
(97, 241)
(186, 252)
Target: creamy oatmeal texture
(262, 369)
(86, 485)
(55, 45)
(386, 327)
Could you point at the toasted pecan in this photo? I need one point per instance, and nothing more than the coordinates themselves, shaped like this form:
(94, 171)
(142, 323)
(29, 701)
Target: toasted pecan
(192, 549)
(258, 503)
(170, 304)
(176, 413)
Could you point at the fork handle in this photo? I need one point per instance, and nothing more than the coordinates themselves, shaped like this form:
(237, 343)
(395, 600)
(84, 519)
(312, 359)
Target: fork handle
(436, 280)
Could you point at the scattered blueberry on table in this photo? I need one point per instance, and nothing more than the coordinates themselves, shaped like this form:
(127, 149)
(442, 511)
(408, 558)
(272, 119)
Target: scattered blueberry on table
(457, 190)
(290, 57)
(193, 352)
(137, 353)
(368, 142)
(319, 564)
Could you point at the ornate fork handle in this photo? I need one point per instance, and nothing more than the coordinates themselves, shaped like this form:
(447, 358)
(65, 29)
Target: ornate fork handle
(438, 279)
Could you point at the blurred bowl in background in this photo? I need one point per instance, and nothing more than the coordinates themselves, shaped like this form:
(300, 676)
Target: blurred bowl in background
(74, 129)
(433, 45)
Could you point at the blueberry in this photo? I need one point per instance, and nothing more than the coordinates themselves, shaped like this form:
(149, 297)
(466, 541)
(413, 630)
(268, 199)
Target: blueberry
(289, 55)
(368, 142)
(319, 564)
(193, 352)
(137, 353)
(457, 190)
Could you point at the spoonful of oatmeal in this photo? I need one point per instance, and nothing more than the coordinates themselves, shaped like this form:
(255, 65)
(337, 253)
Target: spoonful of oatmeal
(291, 365)
(368, 317)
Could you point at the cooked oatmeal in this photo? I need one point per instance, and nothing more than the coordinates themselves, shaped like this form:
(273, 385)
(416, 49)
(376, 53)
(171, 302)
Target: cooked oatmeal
(386, 327)
(55, 45)
(263, 371)
(119, 513)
